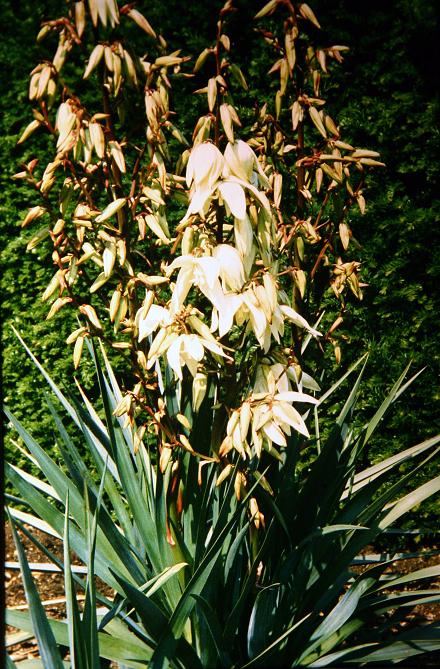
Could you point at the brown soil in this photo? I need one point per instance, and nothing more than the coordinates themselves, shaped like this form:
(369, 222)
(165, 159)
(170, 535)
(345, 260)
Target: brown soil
(50, 586)
(51, 589)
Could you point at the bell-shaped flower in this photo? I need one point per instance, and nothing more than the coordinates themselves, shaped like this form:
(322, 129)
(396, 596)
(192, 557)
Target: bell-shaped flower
(205, 165)
(231, 267)
(189, 350)
(203, 170)
(234, 198)
(150, 316)
(242, 162)
(147, 323)
(277, 324)
(258, 320)
(273, 418)
(202, 272)
(270, 379)
(223, 316)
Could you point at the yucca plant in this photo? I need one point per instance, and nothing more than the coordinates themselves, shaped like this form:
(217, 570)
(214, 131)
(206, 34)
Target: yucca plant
(200, 576)
(225, 533)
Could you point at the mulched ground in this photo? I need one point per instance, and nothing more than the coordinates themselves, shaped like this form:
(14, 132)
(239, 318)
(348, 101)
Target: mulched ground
(50, 586)
(51, 589)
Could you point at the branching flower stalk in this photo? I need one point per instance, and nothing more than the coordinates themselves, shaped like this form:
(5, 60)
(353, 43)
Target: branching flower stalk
(199, 262)
(202, 263)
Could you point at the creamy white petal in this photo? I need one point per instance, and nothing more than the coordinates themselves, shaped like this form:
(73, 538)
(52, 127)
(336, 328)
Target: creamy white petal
(173, 357)
(292, 396)
(199, 201)
(213, 347)
(260, 384)
(205, 164)
(299, 425)
(240, 159)
(297, 319)
(192, 345)
(208, 269)
(258, 319)
(273, 432)
(181, 261)
(258, 195)
(233, 194)
(231, 266)
(261, 415)
(190, 363)
(215, 295)
(281, 380)
(289, 415)
(230, 305)
(263, 301)
(244, 235)
(181, 289)
(270, 286)
(153, 319)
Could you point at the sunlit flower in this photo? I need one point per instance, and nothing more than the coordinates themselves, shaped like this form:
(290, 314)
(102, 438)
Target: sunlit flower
(150, 316)
(244, 241)
(189, 350)
(234, 197)
(184, 350)
(205, 165)
(223, 317)
(242, 162)
(230, 267)
(202, 272)
(270, 418)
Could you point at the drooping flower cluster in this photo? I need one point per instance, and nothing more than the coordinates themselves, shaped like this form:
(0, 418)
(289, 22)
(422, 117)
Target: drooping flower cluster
(241, 289)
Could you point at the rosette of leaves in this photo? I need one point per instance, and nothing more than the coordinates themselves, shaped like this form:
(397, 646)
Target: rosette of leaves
(196, 576)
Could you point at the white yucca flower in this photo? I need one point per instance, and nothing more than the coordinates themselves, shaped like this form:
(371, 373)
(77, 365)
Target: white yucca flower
(202, 272)
(150, 316)
(270, 417)
(260, 307)
(205, 165)
(223, 316)
(242, 162)
(275, 417)
(231, 267)
(233, 196)
(271, 379)
(189, 350)
(257, 318)
(277, 378)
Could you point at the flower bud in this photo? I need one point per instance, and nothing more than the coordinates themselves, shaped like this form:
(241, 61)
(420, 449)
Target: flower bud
(199, 386)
